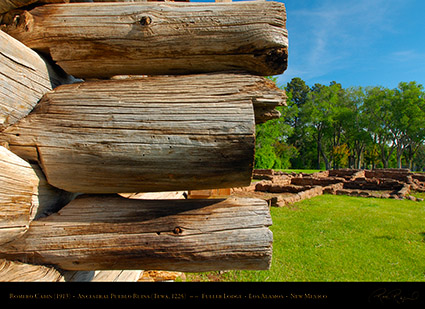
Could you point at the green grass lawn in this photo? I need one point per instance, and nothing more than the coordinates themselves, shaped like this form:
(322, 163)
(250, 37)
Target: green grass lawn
(342, 238)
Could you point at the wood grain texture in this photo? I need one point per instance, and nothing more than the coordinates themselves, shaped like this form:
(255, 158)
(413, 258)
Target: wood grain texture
(8, 5)
(21, 272)
(107, 232)
(24, 78)
(98, 40)
(18, 195)
(164, 133)
(24, 195)
(49, 198)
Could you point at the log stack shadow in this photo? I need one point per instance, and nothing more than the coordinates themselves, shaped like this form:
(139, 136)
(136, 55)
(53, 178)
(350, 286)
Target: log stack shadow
(101, 101)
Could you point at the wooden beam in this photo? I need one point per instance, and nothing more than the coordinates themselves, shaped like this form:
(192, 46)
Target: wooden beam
(99, 40)
(103, 232)
(18, 195)
(49, 198)
(25, 77)
(164, 133)
(21, 272)
(8, 5)
(24, 195)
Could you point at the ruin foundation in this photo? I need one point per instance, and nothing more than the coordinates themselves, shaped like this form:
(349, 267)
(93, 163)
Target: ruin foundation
(280, 188)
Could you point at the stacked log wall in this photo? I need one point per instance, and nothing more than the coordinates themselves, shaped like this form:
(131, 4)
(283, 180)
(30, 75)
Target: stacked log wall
(121, 135)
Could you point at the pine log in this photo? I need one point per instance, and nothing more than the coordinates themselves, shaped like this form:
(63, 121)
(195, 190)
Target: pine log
(110, 232)
(102, 275)
(8, 5)
(49, 198)
(117, 276)
(20, 272)
(164, 133)
(25, 77)
(18, 195)
(24, 195)
(100, 40)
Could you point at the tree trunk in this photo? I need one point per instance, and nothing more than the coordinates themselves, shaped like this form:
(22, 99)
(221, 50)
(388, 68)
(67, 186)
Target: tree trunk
(100, 40)
(112, 232)
(320, 153)
(161, 133)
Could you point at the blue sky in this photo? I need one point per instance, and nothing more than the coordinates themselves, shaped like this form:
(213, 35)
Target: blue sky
(355, 42)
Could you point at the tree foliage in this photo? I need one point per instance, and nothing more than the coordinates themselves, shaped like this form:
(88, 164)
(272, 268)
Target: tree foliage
(327, 126)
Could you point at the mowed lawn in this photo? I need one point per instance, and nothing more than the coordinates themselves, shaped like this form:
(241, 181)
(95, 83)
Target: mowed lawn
(340, 238)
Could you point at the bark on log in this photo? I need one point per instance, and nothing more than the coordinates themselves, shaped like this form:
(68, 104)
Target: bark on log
(152, 134)
(112, 232)
(100, 40)
(25, 77)
(20, 272)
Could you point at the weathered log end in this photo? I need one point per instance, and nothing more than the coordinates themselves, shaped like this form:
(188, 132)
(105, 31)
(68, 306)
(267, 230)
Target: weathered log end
(21, 272)
(26, 77)
(25, 195)
(162, 133)
(18, 195)
(96, 232)
(23, 81)
(156, 38)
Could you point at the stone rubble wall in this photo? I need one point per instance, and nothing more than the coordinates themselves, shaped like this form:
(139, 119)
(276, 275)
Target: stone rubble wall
(379, 183)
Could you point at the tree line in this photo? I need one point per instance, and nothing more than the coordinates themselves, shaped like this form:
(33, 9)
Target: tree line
(330, 127)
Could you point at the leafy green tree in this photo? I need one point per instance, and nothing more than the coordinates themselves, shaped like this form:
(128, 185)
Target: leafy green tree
(319, 117)
(297, 92)
(419, 159)
(340, 154)
(355, 122)
(408, 120)
(270, 136)
(354, 127)
(378, 117)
